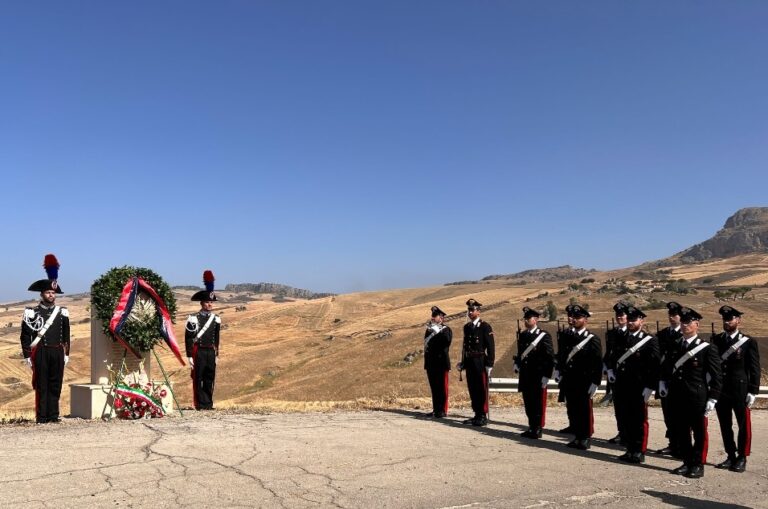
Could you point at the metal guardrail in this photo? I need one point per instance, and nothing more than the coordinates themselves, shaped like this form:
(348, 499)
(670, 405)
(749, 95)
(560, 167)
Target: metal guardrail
(511, 384)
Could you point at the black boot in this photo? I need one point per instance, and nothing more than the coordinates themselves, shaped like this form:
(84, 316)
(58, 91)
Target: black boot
(740, 465)
(728, 463)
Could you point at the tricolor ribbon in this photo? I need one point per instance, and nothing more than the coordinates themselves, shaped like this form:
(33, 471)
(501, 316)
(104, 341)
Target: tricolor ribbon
(123, 310)
(152, 405)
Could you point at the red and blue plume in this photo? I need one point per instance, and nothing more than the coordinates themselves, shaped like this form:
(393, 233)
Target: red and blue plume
(51, 265)
(208, 279)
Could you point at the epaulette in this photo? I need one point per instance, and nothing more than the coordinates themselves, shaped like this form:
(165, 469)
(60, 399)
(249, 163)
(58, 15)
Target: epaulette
(217, 319)
(192, 319)
(64, 312)
(29, 313)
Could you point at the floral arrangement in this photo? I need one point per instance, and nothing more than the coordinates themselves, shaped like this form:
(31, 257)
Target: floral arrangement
(135, 396)
(141, 328)
(137, 401)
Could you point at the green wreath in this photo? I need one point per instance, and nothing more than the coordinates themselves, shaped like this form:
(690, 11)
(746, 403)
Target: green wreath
(142, 330)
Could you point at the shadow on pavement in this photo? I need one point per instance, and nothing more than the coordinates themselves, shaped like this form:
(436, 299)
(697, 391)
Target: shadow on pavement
(686, 502)
(559, 447)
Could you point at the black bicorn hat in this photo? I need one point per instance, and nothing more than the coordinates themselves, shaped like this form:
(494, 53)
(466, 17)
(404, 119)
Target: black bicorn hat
(633, 313)
(673, 308)
(729, 313)
(688, 314)
(578, 311)
(207, 295)
(620, 308)
(437, 311)
(51, 266)
(528, 312)
(473, 304)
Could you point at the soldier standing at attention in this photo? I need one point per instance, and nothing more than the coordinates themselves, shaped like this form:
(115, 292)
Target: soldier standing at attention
(478, 356)
(563, 338)
(202, 344)
(668, 339)
(45, 343)
(437, 363)
(612, 337)
(581, 368)
(740, 360)
(634, 369)
(691, 379)
(534, 361)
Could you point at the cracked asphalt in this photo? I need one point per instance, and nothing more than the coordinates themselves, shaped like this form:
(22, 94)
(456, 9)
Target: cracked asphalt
(392, 458)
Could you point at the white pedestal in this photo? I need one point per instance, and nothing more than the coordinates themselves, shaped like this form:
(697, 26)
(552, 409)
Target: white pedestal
(88, 400)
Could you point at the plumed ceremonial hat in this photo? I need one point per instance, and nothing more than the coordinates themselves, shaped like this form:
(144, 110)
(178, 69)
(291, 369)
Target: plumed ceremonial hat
(579, 312)
(437, 311)
(51, 265)
(729, 313)
(620, 308)
(673, 308)
(473, 304)
(528, 312)
(688, 314)
(208, 294)
(634, 313)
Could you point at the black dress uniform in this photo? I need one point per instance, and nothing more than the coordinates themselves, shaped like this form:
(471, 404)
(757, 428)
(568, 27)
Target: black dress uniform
(635, 365)
(478, 353)
(201, 339)
(535, 360)
(580, 362)
(611, 337)
(741, 376)
(668, 338)
(692, 376)
(45, 342)
(437, 363)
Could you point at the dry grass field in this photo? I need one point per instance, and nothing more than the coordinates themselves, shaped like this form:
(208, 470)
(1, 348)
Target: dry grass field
(348, 351)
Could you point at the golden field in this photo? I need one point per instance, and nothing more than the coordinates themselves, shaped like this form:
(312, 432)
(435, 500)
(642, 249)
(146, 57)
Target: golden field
(348, 351)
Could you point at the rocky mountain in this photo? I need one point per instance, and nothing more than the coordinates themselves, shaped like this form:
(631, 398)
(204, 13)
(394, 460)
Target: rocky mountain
(744, 232)
(562, 273)
(275, 289)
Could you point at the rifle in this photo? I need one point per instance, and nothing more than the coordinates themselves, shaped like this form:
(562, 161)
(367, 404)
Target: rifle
(713, 331)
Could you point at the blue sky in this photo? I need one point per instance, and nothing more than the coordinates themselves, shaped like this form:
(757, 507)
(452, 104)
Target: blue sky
(348, 146)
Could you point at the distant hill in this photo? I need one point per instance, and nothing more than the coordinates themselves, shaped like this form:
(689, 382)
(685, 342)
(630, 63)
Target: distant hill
(548, 275)
(275, 289)
(745, 232)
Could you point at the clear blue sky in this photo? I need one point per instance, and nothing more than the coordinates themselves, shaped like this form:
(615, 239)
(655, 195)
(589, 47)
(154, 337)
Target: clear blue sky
(347, 146)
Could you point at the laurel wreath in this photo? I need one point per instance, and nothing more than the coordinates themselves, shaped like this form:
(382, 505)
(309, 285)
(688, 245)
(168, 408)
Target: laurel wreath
(142, 329)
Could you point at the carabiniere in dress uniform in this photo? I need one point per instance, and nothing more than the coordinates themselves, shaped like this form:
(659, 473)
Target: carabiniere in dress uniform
(45, 343)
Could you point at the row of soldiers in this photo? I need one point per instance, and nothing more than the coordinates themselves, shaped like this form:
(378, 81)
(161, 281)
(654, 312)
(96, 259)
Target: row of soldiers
(692, 377)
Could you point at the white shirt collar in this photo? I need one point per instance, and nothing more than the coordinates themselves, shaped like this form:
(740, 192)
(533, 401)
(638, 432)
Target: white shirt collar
(581, 332)
(736, 333)
(476, 321)
(691, 340)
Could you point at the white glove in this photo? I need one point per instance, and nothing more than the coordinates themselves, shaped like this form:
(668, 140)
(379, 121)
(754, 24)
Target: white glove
(663, 389)
(488, 370)
(611, 376)
(592, 390)
(647, 394)
(66, 360)
(28, 360)
(544, 382)
(216, 360)
(556, 376)
(191, 362)
(516, 368)
(709, 406)
(750, 400)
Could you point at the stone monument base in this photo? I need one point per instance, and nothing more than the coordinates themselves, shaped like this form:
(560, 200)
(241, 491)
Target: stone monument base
(89, 401)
